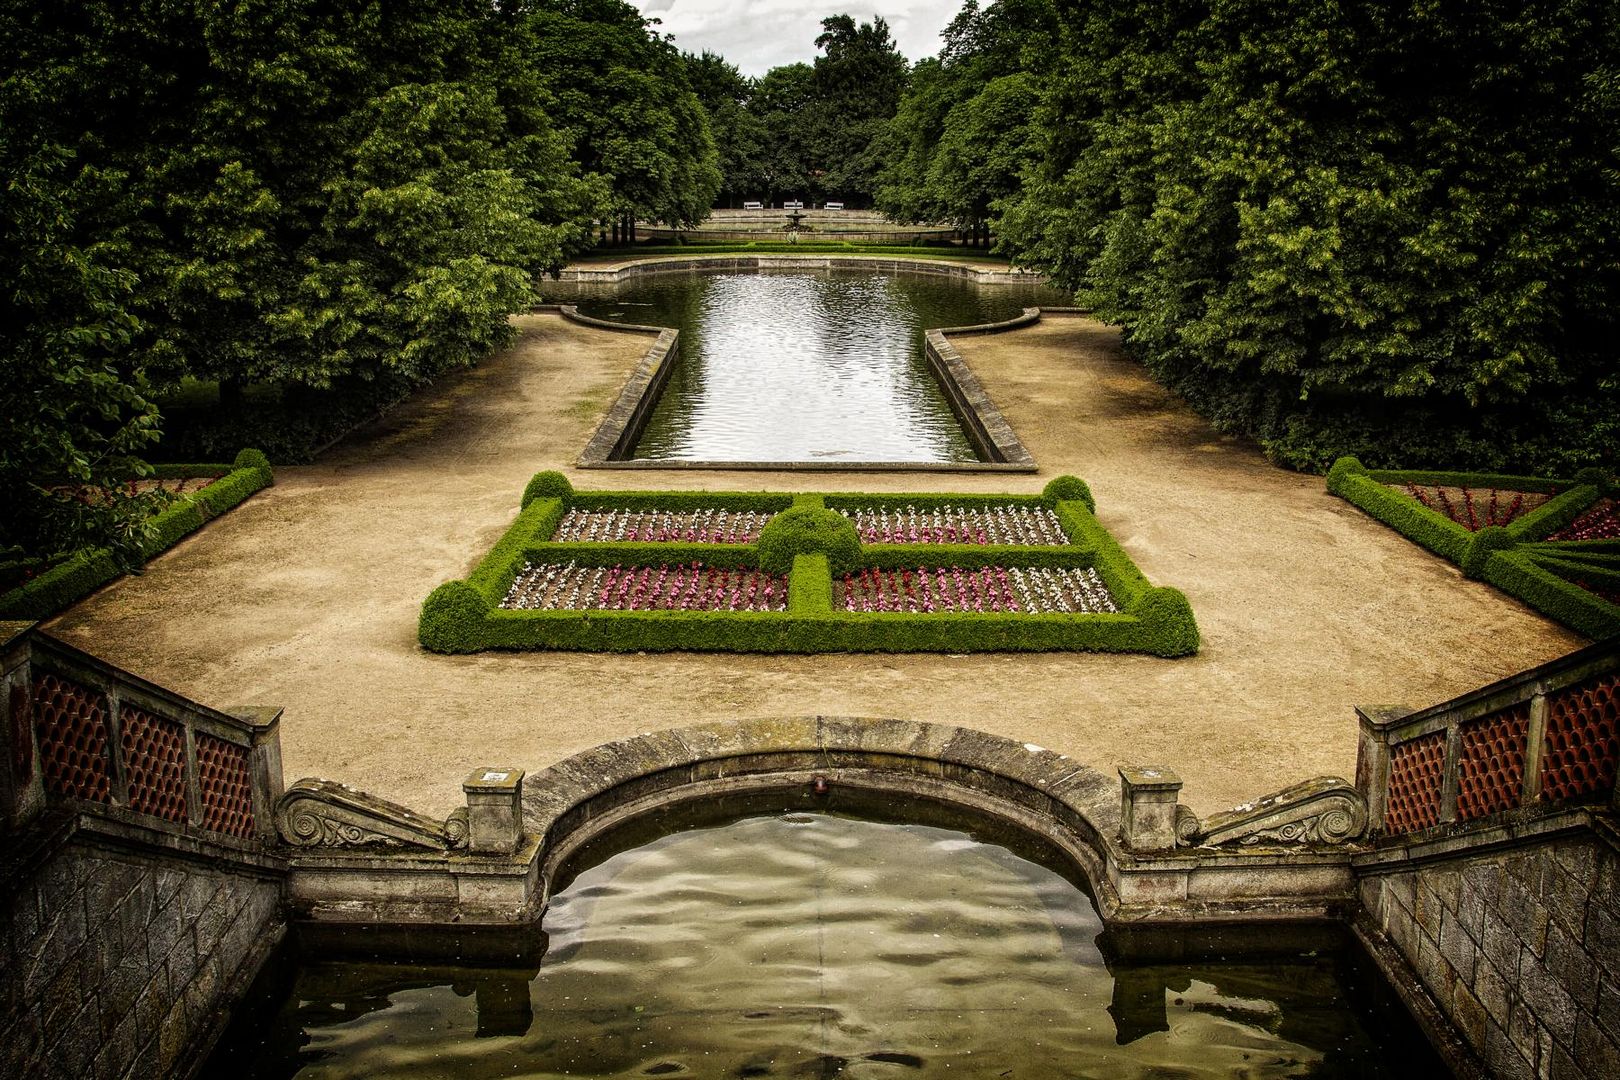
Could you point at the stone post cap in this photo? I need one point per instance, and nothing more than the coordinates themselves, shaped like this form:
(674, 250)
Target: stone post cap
(258, 717)
(1149, 778)
(492, 780)
(1382, 716)
(12, 629)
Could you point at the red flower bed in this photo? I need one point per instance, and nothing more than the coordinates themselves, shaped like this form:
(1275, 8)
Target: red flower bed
(1475, 508)
(671, 587)
(1602, 522)
(1042, 590)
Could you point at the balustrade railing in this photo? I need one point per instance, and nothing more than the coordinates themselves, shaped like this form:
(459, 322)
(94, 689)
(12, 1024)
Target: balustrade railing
(1547, 736)
(81, 732)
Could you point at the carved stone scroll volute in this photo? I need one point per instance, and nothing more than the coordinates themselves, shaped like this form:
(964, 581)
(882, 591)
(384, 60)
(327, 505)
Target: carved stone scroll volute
(1324, 810)
(325, 814)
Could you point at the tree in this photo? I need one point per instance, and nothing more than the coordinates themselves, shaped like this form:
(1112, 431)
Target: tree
(1347, 228)
(739, 134)
(621, 94)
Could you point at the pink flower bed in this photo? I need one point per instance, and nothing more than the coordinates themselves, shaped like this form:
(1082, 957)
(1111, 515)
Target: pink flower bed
(1602, 522)
(1475, 508)
(670, 587)
(1036, 590)
(661, 526)
(957, 525)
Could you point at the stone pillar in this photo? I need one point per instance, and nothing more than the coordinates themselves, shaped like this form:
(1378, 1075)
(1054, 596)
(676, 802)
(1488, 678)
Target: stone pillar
(1147, 807)
(21, 793)
(264, 763)
(494, 810)
(1372, 758)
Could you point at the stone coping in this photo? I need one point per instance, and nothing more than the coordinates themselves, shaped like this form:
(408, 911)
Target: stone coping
(1069, 804)
(613, 273)
(993, 438)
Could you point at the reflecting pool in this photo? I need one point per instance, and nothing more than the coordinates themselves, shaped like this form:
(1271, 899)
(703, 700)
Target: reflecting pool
(784, 936)
(820, 366)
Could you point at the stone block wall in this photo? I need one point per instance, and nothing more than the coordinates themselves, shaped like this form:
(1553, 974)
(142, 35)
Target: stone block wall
(1519, 948)
(120, 963)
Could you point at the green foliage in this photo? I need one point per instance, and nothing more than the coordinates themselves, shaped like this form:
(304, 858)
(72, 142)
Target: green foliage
(1346, 228)
(963, 134)
(452, 618)
(620, 91)
(1069, 489)
(805, 531)
(549, 484)
(465, 616)
(1515, 558)
(1541, 583)
(823, 123)
(72, 578)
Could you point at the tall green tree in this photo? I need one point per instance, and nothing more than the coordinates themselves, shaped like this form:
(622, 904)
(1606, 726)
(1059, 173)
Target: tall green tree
(1348, 227)
(739, 134)
(621, 93)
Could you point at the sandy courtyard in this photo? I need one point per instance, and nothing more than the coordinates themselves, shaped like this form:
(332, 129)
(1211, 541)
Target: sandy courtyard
(307, 595)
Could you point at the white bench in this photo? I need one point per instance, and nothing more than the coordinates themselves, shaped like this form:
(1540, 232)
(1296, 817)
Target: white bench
(832, 206)
(793, 204)
(753, 206)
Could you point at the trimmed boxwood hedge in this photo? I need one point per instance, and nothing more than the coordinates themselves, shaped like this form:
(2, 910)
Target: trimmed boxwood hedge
(813, 545)
(79, 574)
(1516, 558)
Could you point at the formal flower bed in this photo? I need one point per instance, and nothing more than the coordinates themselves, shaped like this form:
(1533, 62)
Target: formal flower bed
(665, 587)
(191, 496)
(706, 526)
(773, 572)
(1602, 522)
(1010, 589)
(956, 525)
(1552, 543)
(1474, 508)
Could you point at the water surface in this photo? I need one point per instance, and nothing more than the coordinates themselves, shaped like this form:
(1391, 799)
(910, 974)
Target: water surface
(819, 366)
(804, 942)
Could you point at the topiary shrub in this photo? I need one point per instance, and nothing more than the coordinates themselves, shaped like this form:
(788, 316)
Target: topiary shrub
(1490, 538)
(804, 530)
(1169, 628)
(251, 459)
(1070, 489)
(452, 619)
(549, 484)
(1342, 470)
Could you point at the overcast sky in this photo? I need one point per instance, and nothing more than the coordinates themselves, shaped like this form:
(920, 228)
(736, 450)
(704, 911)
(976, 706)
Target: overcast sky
(757, 35)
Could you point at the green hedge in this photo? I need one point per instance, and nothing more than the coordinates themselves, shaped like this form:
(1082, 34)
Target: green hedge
(814, 546)
(83, 572)
(1515, 558)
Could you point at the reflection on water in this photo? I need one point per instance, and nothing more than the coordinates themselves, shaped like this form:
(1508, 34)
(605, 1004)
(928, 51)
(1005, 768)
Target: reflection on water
(806, 366)
(808, 943)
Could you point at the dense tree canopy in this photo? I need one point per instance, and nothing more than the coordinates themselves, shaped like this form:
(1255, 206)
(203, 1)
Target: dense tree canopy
(1347, 227)
(303, 192)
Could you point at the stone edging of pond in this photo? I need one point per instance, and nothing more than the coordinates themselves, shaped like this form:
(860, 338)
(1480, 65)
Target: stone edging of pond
(618, 272)
(993, 438)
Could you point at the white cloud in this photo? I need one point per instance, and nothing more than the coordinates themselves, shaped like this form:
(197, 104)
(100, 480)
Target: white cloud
(757, 35)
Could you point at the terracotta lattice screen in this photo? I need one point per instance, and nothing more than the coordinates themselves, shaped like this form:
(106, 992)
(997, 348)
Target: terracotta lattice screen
(1491, 766)
(1416, 775)
(224, 786)
(154, 763)
(1583, 739)
(71, 726)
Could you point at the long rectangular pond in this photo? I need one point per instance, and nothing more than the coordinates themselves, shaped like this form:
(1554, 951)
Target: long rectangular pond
(812, 367)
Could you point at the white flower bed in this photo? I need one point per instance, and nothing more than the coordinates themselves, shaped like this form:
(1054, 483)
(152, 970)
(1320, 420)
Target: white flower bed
(957, 525)
(670, 587)
(1032, 589)
(661, 526)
